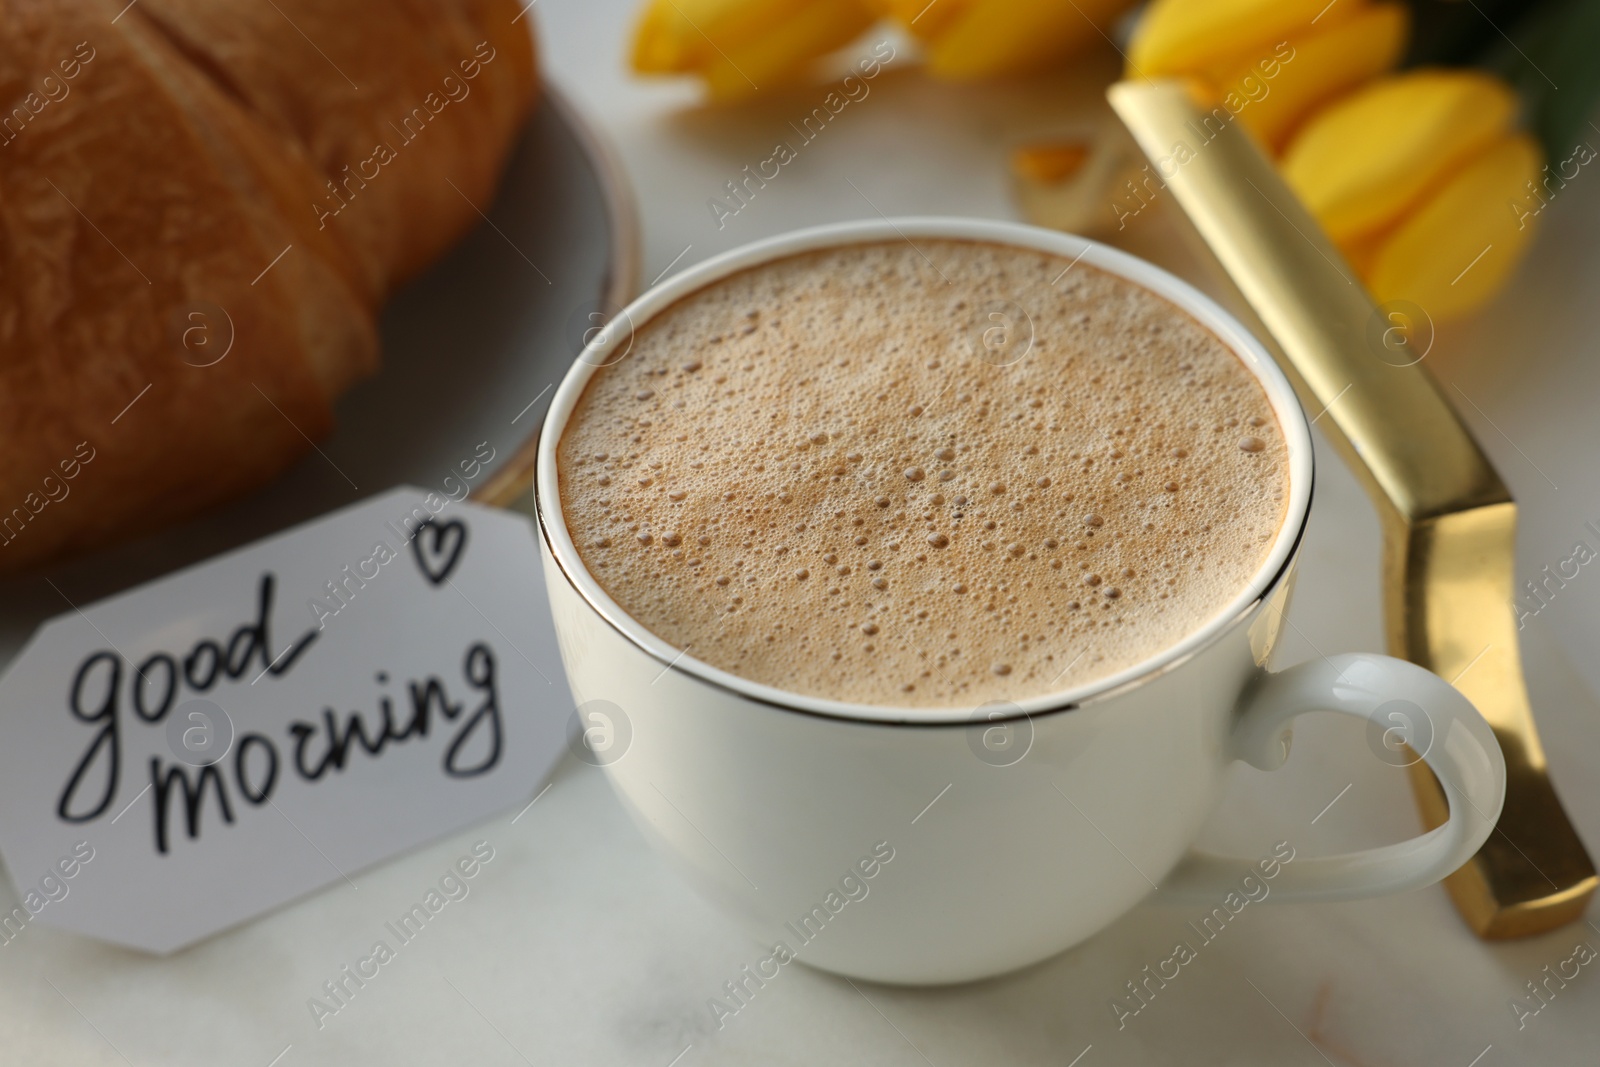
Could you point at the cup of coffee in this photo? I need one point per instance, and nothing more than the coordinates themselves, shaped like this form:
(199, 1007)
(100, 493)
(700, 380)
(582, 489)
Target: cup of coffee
(916, 580)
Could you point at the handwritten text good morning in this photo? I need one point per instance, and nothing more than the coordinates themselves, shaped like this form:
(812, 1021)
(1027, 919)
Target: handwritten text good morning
(224, 746)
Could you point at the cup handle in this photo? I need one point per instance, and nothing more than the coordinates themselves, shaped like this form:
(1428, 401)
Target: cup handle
(1403, 705)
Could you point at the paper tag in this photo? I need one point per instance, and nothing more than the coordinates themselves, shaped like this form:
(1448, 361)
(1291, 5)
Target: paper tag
(201, 749)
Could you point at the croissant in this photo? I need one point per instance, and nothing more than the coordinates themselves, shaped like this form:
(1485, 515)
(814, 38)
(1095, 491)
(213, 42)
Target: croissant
(203, 205)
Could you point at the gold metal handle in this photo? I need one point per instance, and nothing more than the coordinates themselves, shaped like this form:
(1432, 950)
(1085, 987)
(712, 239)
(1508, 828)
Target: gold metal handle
(1449, 522)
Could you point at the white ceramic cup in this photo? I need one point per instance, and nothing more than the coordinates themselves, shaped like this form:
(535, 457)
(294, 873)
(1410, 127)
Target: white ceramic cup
(926, 845)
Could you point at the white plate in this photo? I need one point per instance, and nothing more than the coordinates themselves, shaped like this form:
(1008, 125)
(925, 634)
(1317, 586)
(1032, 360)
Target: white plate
(472, 351)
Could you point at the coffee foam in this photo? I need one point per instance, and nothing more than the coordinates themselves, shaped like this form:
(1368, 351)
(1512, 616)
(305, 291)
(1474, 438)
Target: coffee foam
(815, 475)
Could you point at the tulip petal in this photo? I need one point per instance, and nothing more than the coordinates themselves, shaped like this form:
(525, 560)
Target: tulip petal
(1078, 186)
(677, 36)
(995, 37)
(1360, 163)
(1459, 248)
(1209, 36)
(924, 19)
(1323, 64)
(1049, 162)
(785, 48)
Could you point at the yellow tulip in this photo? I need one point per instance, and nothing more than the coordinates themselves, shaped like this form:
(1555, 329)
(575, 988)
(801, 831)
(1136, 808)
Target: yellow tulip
(1363, 253)
(1273, 60)
(1049, 162)
(969, 40)
(674, 38)
(988, 38)
(1202, 37)
(924, 19)
(1365, 160)
(1070, 184)
(1323, 64)
(740, 46)
(1416, 177)
(1459, 247)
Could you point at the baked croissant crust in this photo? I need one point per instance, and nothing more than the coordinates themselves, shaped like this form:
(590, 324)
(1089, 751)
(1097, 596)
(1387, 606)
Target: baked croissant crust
(203, 205)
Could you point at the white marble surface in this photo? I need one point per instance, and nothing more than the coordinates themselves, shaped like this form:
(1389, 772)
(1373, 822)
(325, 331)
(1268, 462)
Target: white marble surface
(577, 946)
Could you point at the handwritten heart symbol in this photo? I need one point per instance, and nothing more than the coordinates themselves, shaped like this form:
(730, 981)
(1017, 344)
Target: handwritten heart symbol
(438, 558)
